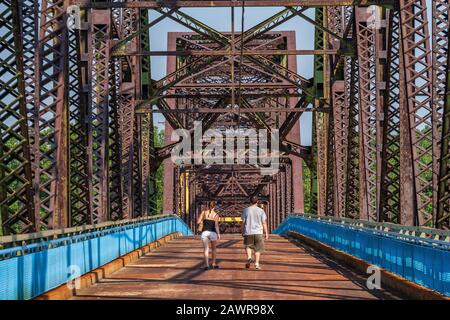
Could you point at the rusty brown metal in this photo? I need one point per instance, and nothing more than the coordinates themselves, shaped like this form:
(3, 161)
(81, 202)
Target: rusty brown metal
(417, 70)
(50, 118)
(216, 3)
(16, 205)
(77, 141)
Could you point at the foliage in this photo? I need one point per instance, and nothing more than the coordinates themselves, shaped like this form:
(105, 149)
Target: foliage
(159, 142)
(306, 187)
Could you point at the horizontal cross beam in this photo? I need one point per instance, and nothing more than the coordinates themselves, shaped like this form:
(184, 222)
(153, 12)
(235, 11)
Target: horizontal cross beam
(200, 53)
(213, 3)
(235, 110)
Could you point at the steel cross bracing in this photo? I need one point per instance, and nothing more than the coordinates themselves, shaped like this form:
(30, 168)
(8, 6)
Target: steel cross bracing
(77, 142)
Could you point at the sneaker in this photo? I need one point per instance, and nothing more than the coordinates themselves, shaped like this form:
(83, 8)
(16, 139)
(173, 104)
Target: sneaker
(249, 262)
(257, 267)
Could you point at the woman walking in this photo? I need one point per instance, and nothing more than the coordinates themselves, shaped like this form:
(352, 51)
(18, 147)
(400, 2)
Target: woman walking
(209, 224)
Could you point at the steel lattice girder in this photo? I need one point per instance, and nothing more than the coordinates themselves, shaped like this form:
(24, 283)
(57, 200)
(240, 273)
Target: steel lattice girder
(230, 184)
(16, 211)
(80, 196)
(372, 56)
(320, 120)
(73, 151)
(441, 85)
(337, 23)
(99, 114)
(390, 171)
(417, 72)
(224, 3)
(50, 118)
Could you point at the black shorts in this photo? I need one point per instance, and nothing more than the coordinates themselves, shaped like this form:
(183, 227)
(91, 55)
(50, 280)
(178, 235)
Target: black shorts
(254, 241)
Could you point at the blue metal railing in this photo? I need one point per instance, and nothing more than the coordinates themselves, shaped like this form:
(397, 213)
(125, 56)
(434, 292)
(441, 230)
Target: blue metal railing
(421, 260)
(29, 270)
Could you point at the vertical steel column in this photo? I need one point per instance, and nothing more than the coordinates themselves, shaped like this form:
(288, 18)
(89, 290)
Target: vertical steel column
(321, 119)
(130, 86)
(115, 140)
(352, 181)
(115, 149)
(169, 186)
(390, 172)
(366, 50)
(149, 168)
(137, 167)
(443, 211)
(417, 70)
(334, 200)
(50, 145)
(126, 129)
(313, 169)
(29, 22)
(279, 200)
(16, 211)
(340, 118)
(330, 174)
(351, 75)
(79, 102)
(289, 191)
(99, 114)
(282, 194)
(441, 27)
(371, 39)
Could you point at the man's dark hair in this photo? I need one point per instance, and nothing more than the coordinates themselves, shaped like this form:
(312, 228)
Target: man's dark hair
(254, 200)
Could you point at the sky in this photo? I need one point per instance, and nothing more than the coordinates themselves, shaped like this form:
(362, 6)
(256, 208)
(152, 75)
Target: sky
(220, 19)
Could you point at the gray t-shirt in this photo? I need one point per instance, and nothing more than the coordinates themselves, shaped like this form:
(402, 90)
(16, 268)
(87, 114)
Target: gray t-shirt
(253, 218)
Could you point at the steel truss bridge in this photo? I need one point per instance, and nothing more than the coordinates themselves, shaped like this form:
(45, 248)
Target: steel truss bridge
(77, 133)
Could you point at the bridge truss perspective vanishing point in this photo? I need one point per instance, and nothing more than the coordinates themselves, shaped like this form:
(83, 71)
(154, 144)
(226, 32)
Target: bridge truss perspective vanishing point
(77, 139)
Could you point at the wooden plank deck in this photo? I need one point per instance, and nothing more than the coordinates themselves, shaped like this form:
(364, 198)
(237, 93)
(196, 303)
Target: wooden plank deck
(289, 271)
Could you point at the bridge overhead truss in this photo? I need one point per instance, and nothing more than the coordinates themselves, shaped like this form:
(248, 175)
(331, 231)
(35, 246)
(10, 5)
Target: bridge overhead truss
(77, 139)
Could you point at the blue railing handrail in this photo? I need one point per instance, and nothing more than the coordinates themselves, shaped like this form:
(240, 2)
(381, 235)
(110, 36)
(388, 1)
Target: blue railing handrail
(421, 232)
(34, 268)
(61, 239)
(423, 260)
(27, 238)
(437, 244)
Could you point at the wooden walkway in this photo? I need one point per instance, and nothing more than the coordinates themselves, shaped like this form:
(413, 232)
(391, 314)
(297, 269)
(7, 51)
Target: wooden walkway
(289, 271)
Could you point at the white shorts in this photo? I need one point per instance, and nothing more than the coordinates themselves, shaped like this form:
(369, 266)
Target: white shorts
(211, 235)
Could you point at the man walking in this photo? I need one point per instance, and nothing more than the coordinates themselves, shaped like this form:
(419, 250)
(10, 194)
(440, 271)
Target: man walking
(254, 224)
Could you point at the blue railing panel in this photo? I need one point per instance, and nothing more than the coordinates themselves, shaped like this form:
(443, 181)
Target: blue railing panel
(36, 271)
(424, 262)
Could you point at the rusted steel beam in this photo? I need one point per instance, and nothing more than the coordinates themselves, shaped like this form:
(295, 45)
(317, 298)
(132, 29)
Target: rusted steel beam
(50, 144)
(16, 204)
(351, 73)
(341, 122)
(417, 70)
(372, 54)
(440, 42)
(390, 171)
(214, 3)
(79, 103)
(200, 53)
(352, 179)
(99, 114)
(442, 219)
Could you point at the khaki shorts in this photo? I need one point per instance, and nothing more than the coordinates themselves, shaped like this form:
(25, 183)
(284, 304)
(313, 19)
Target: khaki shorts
(254, 241)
